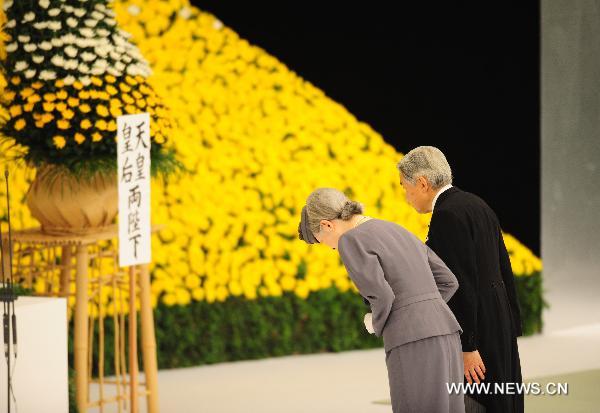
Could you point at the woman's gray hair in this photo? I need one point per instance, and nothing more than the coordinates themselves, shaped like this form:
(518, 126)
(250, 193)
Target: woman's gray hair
(427, 161)
(328, 204)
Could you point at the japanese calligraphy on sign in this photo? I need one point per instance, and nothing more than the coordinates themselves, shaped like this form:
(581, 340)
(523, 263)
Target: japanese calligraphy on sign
(133, 163)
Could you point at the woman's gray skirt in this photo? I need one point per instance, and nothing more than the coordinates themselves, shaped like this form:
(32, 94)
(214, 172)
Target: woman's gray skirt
(419, 374)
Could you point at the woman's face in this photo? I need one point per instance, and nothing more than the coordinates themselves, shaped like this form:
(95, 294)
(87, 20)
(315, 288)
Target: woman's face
(329, 233)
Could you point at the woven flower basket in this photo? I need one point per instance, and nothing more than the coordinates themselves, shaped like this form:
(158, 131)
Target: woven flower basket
(64, 204)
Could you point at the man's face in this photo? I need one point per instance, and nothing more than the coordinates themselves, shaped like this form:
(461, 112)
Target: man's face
(419, 195)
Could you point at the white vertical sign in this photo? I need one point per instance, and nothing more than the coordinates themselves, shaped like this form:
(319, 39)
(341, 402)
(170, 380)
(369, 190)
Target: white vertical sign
(133, 163)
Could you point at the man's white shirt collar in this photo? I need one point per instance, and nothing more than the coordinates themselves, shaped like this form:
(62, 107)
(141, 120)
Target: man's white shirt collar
(444, 188)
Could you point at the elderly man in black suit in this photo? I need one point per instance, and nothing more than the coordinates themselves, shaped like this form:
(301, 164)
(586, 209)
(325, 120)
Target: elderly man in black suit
(465, 233)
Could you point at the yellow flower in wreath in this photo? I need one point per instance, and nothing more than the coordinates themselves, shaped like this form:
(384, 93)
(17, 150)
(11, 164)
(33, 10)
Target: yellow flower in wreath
(20, 124)
(59, 141)
(85, 124)
(101, 124)
(15, 111)
(63, 124)
(79, 138)
(115, 111)
(102, 110)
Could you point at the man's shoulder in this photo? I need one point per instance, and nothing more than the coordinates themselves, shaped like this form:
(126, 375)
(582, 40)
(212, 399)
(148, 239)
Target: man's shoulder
(463, 205)
(461, 197)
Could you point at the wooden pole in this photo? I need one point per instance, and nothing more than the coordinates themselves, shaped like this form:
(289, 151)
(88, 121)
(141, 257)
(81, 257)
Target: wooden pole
(65, 270)
(148, 340)
(133, 382)
(81, 328)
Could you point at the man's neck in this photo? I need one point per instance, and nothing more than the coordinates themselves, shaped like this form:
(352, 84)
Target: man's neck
(436, 197)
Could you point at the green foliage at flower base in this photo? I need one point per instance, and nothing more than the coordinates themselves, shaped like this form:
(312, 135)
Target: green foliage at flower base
(239, 329)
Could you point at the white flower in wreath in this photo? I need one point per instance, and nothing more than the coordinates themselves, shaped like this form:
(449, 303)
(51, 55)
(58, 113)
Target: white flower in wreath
(20, 66)
(47, 75)
(40, 25)
(37, 59)
(96, 71)
(69, 38)
(44, 3)
(133, 70)
(124, 34)
(97, 15)
(102, 32)
(120, 66)
(79, 12)
(30, 47)
(85, 80)
(69, 80)
(29, 74)
(53, 12)
(101, 63)
(114, 55)
(71, 64)
(87, 32)
(114, 72)
(23, 38)
(45, 45)
(11, 47)
(90, 22)
(57, 60)
(100, 6)
(55, 25)
(28, 17)
(142, 70)
(71, 51)
(101, 51)
(56, 41)
(87, 56)
(11, 23)
(110, 22)
(68, 9)
(127, 59)
(83, 68)
(8, 4)
(72, 22)
(81, 42)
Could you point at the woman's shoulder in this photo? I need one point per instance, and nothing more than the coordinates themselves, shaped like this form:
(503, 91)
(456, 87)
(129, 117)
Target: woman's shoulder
(375, 228)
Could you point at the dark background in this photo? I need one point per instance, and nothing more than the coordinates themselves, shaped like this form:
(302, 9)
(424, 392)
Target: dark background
(460, 76)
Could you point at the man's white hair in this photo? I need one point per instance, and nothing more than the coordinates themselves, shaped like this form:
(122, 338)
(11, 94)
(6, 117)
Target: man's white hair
(427, 161)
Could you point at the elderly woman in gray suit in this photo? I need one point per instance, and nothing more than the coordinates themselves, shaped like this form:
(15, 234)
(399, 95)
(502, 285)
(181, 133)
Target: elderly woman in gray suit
(407, 286)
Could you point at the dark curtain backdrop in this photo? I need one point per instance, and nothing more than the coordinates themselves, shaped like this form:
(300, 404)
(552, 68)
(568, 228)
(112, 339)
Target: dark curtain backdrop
(460, 76)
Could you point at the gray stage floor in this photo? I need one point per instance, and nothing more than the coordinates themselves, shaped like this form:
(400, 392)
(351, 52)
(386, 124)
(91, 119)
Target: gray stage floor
(352, 382)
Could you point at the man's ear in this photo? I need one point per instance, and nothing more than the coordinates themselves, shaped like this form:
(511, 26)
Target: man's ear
(423, 183)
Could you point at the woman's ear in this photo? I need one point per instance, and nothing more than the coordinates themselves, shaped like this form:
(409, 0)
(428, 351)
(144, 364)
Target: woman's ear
(327, 225)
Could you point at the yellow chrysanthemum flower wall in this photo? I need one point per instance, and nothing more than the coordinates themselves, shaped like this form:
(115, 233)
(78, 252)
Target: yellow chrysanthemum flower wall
(258, 139)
